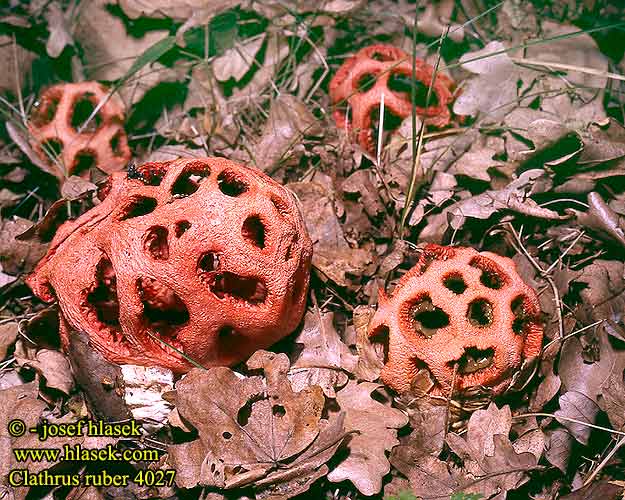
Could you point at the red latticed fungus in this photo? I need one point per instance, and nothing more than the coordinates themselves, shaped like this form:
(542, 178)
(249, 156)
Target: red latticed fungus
(359, 83)
(465, 316)
(206, 256)
(61, 138)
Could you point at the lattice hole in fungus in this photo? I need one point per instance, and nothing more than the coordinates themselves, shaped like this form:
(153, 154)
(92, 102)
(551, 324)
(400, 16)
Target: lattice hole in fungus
(181, 227)
(455, 282)
(491, 277)
(155, 243)
(82, 109)
(226, 284)
(138, 206)
(427, 318)
(189, 181)
(230, 184)
(253, 230)
(102, 298)
(163, 310)
(474, 360)
(480, 313)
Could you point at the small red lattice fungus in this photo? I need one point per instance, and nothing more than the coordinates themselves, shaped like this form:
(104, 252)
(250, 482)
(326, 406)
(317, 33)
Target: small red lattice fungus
(207, 255)
(383, 69)
(459, 310)
(54, 128)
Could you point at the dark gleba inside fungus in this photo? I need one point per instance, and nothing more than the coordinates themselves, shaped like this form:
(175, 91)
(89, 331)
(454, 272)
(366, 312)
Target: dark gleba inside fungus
(206, 256)
(465, 316)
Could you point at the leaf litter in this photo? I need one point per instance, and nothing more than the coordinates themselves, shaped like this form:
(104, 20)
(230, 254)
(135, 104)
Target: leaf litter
(532, 167)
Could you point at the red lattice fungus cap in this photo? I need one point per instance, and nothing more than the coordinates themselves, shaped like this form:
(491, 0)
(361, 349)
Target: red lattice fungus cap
(209, 256)
(362, 79)
(461, 310)
(54, 128)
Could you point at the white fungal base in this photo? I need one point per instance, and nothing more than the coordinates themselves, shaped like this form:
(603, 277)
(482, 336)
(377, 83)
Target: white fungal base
(144, 387)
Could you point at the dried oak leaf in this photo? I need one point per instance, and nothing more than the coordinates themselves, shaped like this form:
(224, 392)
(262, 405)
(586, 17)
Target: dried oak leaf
(254, 430)
(324, 359)
(376, 425)
(576, 406)
(493, 463)
(603, 143)
(493, 89)
(18, 256)
(236, 61)
(605, 293)
(51, 364)
(332, 255)
(370, 355)
(601, 218)
(612, 397)
(8, 335)
(288, 122)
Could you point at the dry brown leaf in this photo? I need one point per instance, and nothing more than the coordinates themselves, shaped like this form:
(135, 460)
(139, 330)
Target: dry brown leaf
(605, 293)
(253, 430)
(493, 91)
(8, 335)
(370, 356)
(601, 218)
(574, 405)
(50, 364)
(488, 453)
(75, 187)
(18, 256)
(324, 358)
(514, 197)
(238, 60)
(289, 121)
(332, 255)
(58, 27)
(18, 60)
(376, 425)
(110, 51)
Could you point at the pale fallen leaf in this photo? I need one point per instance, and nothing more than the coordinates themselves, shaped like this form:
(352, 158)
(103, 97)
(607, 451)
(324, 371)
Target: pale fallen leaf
(324, 359)
(290, 120)
(237, 61)
(60, 35)
(574, 405)
(377, 425)
(254, 430)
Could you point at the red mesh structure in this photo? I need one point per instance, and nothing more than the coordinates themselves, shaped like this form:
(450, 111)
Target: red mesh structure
(378, 65)
(210, 256)
(57, 117)
(459, 309)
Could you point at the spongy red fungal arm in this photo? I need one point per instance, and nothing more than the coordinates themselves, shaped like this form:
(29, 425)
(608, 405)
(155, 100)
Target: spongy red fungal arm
(207, 256)
(380, 62)
(53, 125)
(483, 322)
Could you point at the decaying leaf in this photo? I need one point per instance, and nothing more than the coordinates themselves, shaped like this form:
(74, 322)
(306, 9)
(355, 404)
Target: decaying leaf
(289, 121)
(324, 359)
(50, 364)
(18, 256)
(493, 91)
(332, 255)
(376, 425)
(575, 406)
(254, 430)
(238, 60)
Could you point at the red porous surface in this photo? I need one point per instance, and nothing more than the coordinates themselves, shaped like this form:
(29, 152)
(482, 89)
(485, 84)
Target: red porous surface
(104, 138)
(381, 62)
(512, 333)
(209, 256)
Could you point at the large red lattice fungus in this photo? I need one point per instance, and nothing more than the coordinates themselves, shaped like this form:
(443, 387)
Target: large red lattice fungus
(463, 312)
(384, 69)
(59, 115)
(209, 256)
